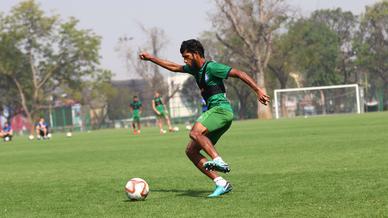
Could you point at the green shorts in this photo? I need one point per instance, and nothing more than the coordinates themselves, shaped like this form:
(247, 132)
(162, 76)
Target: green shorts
(162, 114)
(136, 118)
(136, 115)
(217, 120)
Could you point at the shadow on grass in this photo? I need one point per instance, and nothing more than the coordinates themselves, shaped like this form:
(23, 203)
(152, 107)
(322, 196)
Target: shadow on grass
(186, 192)
(132, 201)
(177, 192)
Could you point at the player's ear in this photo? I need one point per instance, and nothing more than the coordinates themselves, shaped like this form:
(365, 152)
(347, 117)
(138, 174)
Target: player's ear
(197, 55)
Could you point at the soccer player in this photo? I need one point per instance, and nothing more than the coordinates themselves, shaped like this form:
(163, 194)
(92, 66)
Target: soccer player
(41, 129)
(6, 132)
(212, 124)
(136, 109)
(161, 112)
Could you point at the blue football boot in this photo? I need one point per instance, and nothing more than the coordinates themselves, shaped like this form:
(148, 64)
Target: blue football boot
(220, 190)
(219, 166)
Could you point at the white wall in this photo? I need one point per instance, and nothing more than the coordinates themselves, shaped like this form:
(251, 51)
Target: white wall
(177, 108)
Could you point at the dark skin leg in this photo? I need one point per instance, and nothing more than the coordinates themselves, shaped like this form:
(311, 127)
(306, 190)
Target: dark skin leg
(138, 125)
(198, 135)
(193, 152)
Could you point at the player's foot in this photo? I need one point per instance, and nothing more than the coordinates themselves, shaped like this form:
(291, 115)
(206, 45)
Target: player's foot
(218, 165)
(138, 131)
(162, 131)
(220, 190)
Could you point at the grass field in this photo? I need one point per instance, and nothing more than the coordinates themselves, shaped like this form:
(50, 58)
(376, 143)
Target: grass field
(335, 166)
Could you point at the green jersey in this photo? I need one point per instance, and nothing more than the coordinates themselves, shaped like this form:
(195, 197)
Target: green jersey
(159, 104)
(215, 75)
(136, 105)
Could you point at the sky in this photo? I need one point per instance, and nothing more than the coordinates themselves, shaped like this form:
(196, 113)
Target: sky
(180, 19)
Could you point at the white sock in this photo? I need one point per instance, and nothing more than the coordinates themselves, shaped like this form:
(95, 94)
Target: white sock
(218, 159)
(220, 181)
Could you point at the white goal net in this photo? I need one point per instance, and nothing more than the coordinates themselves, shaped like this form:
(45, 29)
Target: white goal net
(317, 101)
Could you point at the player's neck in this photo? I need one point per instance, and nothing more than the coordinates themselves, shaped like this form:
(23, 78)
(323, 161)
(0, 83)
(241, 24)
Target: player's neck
(201, 62)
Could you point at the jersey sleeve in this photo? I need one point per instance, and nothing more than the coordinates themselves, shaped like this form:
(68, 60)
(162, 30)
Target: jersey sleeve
(218, 70)
(187, 69)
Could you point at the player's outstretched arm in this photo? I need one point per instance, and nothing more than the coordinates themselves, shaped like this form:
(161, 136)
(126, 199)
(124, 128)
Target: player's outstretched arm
(171, 66)
(261, 95)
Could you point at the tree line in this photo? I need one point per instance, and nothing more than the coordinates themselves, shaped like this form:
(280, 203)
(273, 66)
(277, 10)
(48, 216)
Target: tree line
(43, 56)
(283, 50)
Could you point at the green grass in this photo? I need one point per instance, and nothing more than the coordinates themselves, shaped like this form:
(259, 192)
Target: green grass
(334, 166)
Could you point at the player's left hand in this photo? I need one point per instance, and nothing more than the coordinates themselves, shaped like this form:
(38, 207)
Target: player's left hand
(263, 97)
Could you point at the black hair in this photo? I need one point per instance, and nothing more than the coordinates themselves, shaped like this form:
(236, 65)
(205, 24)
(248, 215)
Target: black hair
(192, 46)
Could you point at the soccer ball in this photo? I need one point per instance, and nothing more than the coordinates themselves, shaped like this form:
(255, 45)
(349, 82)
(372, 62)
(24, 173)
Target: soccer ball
(31, 137)
(68, 134)
(188, 127)
(136, 189)
(7, 138)
(175, 129)
(49, 136)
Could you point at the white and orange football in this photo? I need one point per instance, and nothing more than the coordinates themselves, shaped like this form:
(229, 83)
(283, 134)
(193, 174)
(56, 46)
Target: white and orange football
(137, 189)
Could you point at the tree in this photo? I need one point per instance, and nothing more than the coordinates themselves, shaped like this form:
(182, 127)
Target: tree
(315, 53)
(156, 41)
(344, 24)
(40, 53)
(280, 64)
(118, 104)
(241, 96)
(96, 94)
(8, 96)
(253, 22)
(372, 45)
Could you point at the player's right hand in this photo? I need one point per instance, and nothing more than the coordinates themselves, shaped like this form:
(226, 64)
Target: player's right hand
(145, 56)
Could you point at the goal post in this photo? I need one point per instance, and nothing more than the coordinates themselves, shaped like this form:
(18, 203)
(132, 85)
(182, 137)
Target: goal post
(319, 100)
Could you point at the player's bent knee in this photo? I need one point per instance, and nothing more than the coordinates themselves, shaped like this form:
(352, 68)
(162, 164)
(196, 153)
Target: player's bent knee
(195, 134)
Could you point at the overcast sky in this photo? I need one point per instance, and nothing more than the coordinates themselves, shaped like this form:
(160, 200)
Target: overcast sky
(180, 19)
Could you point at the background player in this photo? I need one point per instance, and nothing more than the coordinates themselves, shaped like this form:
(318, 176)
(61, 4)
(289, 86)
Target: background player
(161, 112)
(6, 132)
(42, 129)
(136, 110)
